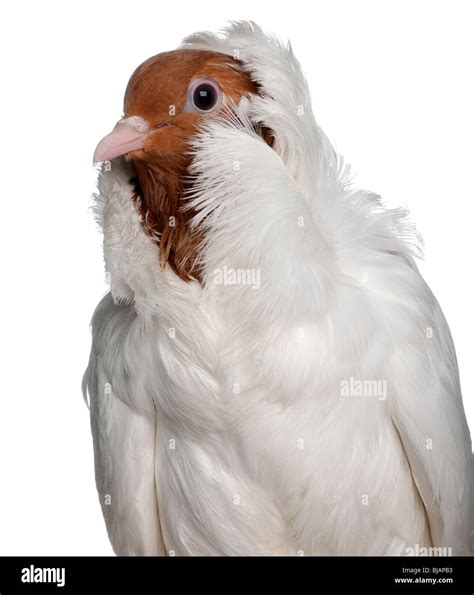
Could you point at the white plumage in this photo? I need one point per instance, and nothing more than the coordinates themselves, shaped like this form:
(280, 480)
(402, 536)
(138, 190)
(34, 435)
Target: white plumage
(314, 410)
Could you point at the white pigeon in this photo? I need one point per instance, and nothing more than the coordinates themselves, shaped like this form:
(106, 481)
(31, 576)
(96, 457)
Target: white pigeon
(269, 374)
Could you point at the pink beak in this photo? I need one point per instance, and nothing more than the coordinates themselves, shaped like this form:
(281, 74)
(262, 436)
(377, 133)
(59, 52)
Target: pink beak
(128, 135)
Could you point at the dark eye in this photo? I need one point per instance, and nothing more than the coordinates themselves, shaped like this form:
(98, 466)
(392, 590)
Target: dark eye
(204, 95)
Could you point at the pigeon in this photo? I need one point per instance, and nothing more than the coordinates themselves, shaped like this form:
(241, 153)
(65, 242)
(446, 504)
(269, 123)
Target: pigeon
(269, 374)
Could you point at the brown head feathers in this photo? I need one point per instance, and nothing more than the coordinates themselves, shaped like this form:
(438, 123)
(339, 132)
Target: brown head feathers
(157, 92)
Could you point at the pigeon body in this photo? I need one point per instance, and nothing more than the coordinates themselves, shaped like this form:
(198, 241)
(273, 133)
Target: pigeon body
(269, 373)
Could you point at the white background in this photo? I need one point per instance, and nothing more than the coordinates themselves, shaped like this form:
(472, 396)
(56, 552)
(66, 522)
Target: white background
(392, 86)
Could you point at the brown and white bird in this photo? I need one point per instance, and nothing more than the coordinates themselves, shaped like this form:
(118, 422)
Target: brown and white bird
(269, 373)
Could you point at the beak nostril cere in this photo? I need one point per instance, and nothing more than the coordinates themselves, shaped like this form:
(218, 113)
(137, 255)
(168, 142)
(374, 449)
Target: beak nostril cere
(128, 135)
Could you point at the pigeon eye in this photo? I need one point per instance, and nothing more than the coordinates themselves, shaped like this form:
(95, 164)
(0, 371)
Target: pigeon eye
(204, 95)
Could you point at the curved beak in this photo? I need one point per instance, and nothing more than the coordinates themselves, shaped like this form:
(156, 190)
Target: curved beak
(128, 135)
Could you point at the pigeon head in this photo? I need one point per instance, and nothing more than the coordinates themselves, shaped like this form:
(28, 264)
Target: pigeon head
(166, 101)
